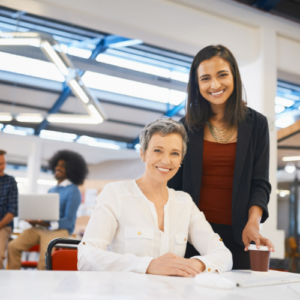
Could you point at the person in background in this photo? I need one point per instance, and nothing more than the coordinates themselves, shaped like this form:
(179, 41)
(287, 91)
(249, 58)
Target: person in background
(70, 170)
(143, 226)
(8, 206)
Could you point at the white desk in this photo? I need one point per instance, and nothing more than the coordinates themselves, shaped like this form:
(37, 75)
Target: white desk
(51, 285)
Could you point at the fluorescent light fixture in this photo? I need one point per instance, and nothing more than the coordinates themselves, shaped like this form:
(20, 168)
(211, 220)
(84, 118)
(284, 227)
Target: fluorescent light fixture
(57, 135)
(105, 145)
(282, 193)
(5, 117)
(284, 122)
(293, 97)
(126, 87)
(12, 130)
(21, 180)
(279, 108)
(283, 101)
(20, 42)
(28, 66)
(94, 143)
(72, 119)
(133, 65)
(180, 76)
(30, 118)
(290, 168)
(95, 113)
(47, 182)
(77, 89)
(291, 158)
(55, 58)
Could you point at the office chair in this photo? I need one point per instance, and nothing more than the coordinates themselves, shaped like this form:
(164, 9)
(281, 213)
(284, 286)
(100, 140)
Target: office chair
(29, 263)
(62, 260)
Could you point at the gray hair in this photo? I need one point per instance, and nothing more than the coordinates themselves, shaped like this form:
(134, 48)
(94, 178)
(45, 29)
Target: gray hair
(164, 126)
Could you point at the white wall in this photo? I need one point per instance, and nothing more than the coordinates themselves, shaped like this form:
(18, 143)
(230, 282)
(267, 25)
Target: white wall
(117, 169)
(35, 152)
(262, 43)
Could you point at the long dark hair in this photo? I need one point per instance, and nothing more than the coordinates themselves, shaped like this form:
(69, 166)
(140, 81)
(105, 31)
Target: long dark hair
(198, 109)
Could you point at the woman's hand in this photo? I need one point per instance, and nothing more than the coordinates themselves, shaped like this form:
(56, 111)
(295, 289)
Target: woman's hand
(251, 233)
(171, 264)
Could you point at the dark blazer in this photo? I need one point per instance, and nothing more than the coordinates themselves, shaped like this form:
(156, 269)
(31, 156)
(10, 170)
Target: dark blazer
(251, 172)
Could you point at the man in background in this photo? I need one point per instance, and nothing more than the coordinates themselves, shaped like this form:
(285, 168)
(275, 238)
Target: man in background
(70, 170)
(8, 206)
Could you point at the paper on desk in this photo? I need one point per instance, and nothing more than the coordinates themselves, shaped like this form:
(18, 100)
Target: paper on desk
(214, 281)
(245, 278)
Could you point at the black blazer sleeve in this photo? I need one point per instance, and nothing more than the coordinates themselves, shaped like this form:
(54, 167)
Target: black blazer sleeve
(260, 187)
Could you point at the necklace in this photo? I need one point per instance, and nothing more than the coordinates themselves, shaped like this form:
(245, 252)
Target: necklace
(219, 134)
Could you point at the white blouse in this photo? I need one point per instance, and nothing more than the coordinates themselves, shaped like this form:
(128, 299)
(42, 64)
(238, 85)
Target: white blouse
(123, 234)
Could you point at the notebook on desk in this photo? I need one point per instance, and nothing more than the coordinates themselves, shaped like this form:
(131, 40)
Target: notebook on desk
(245, 278)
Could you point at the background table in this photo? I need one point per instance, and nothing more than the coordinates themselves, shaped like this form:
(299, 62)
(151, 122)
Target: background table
(62, 285)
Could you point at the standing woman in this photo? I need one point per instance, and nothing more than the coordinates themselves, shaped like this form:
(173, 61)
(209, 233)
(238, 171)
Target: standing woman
(226, 168)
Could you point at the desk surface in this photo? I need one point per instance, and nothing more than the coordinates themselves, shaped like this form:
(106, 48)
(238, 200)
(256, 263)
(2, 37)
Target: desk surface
(51, 285)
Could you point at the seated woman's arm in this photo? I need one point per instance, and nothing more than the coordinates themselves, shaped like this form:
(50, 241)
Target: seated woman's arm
(214, 254)
(92, 254)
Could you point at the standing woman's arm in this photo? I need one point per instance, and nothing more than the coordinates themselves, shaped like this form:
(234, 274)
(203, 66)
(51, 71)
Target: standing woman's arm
(260, 188)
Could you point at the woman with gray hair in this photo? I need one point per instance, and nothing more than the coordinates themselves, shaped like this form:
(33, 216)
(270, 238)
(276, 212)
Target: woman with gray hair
(143, 226)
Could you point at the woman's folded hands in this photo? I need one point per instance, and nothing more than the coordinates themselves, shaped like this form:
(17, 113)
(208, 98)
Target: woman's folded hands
(171, 264)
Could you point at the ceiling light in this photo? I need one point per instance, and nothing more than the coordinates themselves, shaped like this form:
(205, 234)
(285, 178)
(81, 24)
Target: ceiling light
(291, 158)
(72, 119)
(283, 101)
(30, 118)
(21, 179)
(279, 108)
(290, 168)
(55, 58)
(20, 42)
(105, 145)
(283, 193)
(47, 182)
(77, 89)
(95, 112)
(293, 97)
(284, 122)
(5, 117)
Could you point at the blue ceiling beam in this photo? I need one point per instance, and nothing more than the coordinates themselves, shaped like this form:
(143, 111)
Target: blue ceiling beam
(110, 41)
(103, 44)
(266, 5)
(174, 111)
(170, 113)
(288, 110)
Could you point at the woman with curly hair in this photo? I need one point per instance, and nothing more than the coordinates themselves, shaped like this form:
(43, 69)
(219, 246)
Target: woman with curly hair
(70, 170)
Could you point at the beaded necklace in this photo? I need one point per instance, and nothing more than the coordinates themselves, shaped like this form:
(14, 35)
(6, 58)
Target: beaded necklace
(219, 134)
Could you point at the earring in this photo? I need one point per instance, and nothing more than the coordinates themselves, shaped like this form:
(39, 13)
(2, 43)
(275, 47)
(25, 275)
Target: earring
(179, 166)
(142, 160)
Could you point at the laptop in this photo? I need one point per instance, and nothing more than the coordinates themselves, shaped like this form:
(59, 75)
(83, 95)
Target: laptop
(35, 207)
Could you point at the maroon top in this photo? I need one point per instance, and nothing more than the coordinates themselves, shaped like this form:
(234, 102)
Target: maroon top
(217, 181)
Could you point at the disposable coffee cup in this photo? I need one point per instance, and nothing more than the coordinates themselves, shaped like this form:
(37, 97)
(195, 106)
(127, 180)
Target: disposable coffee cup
(259, 259)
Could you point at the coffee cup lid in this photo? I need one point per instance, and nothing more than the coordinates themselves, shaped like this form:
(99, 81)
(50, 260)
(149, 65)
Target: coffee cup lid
(261, 248)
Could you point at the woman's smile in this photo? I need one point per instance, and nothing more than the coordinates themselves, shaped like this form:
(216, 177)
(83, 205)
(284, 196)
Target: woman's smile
(163, 170)
(218, 94)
